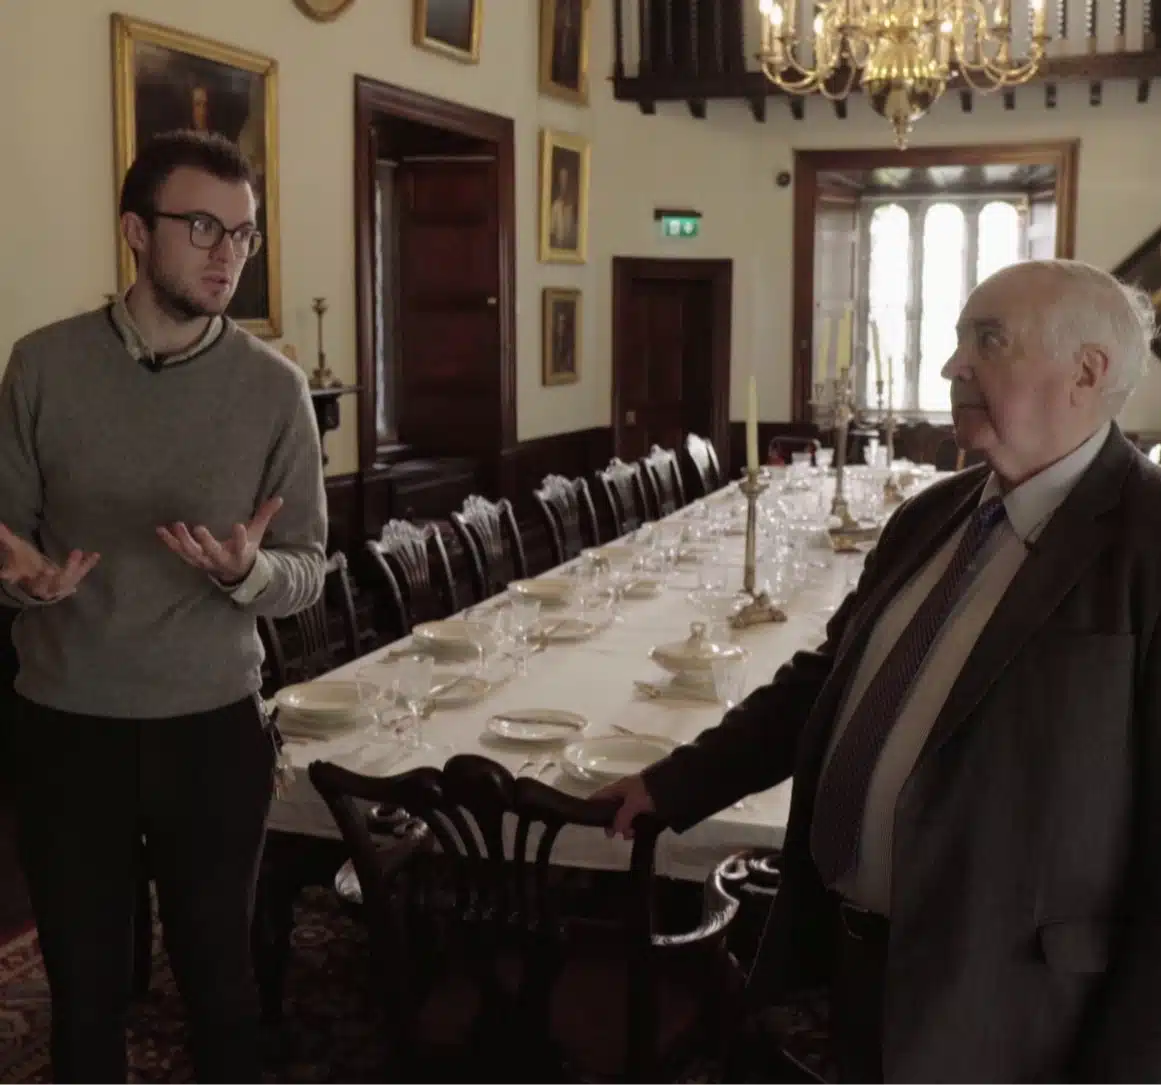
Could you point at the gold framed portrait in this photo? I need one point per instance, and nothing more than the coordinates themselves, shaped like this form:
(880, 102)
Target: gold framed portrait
(564, 49)
(165, 79)
(450, 27)
(564, 197)
(561, 319)
(323, 11)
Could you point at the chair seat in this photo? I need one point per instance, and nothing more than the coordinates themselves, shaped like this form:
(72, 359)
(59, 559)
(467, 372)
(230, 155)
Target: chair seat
(588, 1012)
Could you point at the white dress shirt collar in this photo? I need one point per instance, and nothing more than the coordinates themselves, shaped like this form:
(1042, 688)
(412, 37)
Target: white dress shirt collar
(1031, 504)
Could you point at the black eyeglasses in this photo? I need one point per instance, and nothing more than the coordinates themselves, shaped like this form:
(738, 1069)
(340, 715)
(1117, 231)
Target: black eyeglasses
(206, 232)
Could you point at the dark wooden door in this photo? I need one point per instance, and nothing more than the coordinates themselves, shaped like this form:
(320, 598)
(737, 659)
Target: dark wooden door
(671, 353)
(449, 317)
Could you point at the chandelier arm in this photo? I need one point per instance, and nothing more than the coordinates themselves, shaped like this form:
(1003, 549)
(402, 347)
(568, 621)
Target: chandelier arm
(996, 77)
(840, 95)
(803, 86)
(806, 84)
(969, 77)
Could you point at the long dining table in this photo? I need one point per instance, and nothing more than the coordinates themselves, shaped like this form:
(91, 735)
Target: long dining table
(598, 678)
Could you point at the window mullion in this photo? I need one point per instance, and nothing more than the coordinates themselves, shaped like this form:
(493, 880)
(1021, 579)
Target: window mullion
(914, 311)
(971, 249)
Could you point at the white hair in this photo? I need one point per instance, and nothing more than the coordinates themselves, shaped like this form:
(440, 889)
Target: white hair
(1090, 307)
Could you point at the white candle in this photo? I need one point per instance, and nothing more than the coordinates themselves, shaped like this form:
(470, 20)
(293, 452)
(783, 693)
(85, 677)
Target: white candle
(843, 353)
(822, 358)
(1038, 18)
(752, 426)
(878, 355)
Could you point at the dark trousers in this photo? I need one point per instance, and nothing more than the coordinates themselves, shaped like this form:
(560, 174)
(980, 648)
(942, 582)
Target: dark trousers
(857, 995)
(197, 789)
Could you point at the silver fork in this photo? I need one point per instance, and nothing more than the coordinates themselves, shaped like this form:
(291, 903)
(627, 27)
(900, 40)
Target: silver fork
(534, 769)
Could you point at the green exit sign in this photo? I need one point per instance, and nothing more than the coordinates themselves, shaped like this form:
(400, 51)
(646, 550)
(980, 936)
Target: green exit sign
(680, 225)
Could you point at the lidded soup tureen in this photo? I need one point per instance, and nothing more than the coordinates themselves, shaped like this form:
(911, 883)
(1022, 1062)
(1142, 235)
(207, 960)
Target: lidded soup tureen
(692, 659)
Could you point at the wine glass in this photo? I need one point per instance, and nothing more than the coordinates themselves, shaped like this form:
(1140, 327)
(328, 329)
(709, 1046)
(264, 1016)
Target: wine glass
(523, 620)
(729, 680)
(414, 677)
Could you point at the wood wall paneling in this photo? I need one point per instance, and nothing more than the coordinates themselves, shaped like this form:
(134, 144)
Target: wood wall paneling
(358, 506)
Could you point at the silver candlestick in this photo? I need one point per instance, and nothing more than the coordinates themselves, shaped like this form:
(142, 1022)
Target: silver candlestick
(834, 410)
(322, 377)
(758, 607)
(892, 495)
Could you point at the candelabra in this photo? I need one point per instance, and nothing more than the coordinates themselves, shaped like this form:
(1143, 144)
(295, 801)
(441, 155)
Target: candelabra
(758, 607)
(834, 410)
(892, 495)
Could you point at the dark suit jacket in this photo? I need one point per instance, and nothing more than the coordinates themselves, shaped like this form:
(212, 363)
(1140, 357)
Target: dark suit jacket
(1026, 898)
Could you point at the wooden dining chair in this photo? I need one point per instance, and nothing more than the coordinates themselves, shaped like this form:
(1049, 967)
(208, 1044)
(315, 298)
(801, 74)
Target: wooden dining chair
(625, 496)
(759, 1046)
(661, 474)
(781, 450)
(490, 538)
(413, 577)
(566, 507)
(703, 459)
(302, 646)
(477, 958)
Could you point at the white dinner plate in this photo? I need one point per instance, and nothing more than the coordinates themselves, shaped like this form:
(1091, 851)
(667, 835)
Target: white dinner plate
(456, 691)
(293, 725)
(326, 700)
(563, 630)
(550, 591)
(643, 587)
(452, 632)
(608, 758)
(617, 553)
(537, 725)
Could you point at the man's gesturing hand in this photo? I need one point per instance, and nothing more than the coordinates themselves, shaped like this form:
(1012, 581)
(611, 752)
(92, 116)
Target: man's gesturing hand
(229, 561)
(26, 568)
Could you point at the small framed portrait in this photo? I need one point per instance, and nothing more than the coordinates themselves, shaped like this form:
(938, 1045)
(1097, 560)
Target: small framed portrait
(562, 336)
(564, 197)
(166, 79)
(564, 49)
(451, 27)
(323, 11)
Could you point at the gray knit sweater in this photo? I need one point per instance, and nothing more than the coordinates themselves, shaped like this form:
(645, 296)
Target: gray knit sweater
(96, 451)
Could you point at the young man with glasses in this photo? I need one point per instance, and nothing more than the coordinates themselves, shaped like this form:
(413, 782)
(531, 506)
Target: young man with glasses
(160, 487)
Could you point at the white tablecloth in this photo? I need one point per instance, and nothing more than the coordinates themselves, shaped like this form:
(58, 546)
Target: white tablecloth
(595, 678)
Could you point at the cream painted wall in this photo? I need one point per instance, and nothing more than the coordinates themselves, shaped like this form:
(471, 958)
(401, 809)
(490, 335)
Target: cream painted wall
(57, 186)
(725, 166)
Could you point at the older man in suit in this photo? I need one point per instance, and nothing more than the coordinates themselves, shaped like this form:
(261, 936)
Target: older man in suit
(973, 857)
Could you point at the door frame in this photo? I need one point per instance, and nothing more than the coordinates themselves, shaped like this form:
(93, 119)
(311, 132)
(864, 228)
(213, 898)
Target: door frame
(375, 101)
(1063, 155)
(720, 275)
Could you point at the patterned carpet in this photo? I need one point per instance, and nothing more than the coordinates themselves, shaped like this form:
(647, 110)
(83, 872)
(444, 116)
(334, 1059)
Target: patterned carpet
(328, 1034)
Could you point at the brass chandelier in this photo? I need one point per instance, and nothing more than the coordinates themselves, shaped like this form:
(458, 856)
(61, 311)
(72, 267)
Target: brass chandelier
(903, 52)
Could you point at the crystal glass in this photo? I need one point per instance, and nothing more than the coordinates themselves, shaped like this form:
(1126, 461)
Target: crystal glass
(414, 676)
(729, 681)
(523, 622)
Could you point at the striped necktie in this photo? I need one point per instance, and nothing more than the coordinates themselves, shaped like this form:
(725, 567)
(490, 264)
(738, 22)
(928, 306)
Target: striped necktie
(842, 793)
